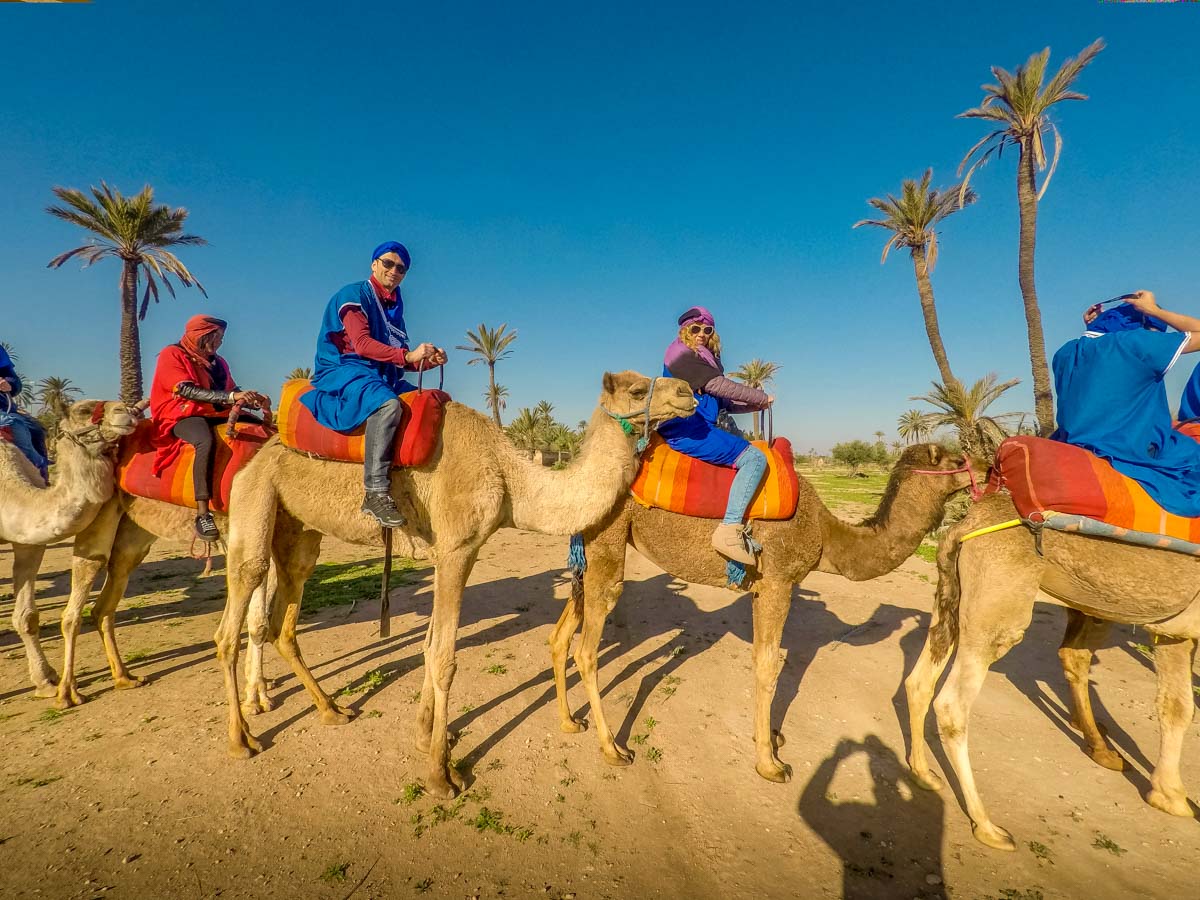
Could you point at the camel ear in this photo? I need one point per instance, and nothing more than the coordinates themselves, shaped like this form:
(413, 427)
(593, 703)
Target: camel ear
(935, 454)
(610, 383)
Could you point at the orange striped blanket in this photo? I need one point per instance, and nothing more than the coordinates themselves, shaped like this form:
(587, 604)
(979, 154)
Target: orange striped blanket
(135, 466)
(672, 481)
(1046, 476)
(420, 427)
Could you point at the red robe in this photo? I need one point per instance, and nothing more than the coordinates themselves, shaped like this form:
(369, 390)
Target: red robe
(167, 408)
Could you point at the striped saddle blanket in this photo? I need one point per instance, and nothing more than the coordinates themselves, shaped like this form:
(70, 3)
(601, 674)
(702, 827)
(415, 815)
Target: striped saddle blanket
(1071, 489)
(135, 465)
(672, 481)
(420, 427)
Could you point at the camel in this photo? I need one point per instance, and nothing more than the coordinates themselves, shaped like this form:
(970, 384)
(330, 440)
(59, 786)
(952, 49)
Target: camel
(813, 539)
(475, 483)
(986, 591)
(33, 515)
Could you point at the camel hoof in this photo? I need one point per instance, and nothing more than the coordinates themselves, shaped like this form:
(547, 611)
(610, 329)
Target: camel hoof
(67, 698)
(927, 780)
(620, 756)
(45, 691)
(1109, 759)
(780, 773)
(994, 836)
(336, 716)
(128, 683)
(245, 750)
(442, 787)
(573, 725)
(778, 739)
(1171, 804)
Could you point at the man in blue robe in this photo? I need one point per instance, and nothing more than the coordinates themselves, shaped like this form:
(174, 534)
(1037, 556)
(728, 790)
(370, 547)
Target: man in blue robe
(362, 353)
(1113, 402)
(28, 433)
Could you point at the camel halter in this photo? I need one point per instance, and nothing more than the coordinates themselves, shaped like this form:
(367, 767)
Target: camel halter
(976, 493)
(627, 426)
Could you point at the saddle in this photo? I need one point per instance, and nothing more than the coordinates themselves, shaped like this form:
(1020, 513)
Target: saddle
(135, 464)
(1068, 488)
(670, 480)
(420, 429)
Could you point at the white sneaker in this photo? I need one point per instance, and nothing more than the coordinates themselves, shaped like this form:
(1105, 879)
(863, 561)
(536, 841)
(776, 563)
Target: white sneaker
(727, 540)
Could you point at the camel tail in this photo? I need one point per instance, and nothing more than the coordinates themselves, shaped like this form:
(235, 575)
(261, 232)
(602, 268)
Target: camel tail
(943, 630)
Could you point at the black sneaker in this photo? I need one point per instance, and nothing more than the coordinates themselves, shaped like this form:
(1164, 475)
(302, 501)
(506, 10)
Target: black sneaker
(206, 529)
(383, 508)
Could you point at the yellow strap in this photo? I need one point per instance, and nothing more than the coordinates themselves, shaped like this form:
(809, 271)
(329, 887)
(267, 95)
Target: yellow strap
(1011, 523)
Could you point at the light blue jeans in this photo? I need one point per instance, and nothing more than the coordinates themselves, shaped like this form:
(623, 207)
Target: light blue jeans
(751, 466)
(30, 438)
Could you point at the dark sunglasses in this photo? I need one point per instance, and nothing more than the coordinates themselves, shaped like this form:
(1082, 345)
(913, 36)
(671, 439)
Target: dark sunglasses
(700, 329)
(388, 265)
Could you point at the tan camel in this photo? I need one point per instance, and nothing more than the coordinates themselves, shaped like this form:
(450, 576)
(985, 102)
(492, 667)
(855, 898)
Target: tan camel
(986, 591)
(475, 483)
(33, 515)
(813, 539)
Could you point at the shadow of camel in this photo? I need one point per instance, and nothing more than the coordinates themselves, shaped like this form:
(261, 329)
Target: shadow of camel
(891, 845)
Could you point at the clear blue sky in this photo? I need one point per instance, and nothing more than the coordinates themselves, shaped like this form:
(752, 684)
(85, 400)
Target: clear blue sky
(585, 175)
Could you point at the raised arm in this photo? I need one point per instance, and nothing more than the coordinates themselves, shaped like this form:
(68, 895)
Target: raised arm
(1145, 301)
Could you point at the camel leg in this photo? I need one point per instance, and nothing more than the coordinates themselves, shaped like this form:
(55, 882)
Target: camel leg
(130, 547)
(1083, 635)
(772, 599)
(450, 577)
(602, 585)
(424, 733)
(994, 612)
(257, 699)
(27, 560)
(301, 549)
(1173, 660)
(919, 687)
(560, 646)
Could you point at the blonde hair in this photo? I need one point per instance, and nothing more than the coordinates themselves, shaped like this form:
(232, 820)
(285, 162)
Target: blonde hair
(691, 340)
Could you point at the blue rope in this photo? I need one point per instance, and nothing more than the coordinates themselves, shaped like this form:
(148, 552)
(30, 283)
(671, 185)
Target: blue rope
(576, 557)
(735, 572)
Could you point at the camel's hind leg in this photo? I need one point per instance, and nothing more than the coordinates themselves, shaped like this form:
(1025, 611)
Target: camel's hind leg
(257, 699)
(772, 600)
(560, 647)
(1083, 636)
(1175, 705)
(130, 547)
(27, 560)
(997, 594)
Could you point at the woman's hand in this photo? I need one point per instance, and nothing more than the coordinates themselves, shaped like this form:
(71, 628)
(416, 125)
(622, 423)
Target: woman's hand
(5, 386)
(253, 399)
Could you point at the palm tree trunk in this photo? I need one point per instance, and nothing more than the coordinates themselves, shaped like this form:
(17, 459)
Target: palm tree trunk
(131, 341)
(1043, 399)
(495, 400)
(929, 311)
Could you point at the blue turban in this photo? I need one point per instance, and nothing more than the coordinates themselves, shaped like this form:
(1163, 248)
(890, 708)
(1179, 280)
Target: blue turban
(392, 247)
(1124, 318)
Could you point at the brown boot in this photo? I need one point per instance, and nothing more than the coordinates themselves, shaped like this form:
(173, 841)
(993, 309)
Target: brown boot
(727, 540)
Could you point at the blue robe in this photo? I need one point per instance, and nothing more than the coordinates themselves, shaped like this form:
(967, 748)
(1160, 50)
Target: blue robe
(1189, 404)
(1113, 402)
(698, 436)
(347, 387)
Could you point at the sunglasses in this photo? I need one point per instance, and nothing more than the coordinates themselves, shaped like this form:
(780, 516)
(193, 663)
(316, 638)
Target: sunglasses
(700, 329)
(388, 265)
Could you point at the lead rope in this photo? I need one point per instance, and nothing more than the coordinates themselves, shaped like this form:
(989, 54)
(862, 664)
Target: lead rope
(385, 600)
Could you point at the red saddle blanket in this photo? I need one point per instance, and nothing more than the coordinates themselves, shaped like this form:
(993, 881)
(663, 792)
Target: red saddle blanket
(420, 427)
(135, 466)
(672, 481)
(1049, 476)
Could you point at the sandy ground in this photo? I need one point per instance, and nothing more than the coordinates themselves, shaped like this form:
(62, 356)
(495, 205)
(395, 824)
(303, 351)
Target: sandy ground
(132, 794)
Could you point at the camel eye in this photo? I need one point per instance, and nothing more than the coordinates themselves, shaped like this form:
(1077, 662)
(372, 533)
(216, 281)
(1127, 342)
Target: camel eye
(638, 393)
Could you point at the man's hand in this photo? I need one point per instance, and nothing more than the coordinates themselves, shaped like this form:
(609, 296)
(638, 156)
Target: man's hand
(1144, 301)
(253, 399)
(1089, 314)
(5, 386)
(421, 353)
(439, 357)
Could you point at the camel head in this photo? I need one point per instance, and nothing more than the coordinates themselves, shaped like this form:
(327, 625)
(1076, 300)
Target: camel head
(947, 472)
(628, 396)
(99, 425)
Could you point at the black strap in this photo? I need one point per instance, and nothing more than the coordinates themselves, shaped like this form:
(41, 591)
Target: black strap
(385, 601)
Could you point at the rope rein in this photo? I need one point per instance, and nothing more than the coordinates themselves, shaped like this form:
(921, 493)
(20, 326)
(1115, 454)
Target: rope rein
(627, 426)
(976, 493)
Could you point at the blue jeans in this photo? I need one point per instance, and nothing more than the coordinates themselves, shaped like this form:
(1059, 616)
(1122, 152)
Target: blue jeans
(30, 438)
(751, 466)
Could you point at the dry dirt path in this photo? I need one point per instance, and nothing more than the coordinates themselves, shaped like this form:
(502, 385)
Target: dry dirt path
(132, 795)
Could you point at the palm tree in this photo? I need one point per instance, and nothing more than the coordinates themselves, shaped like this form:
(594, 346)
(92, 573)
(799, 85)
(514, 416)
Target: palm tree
(490, 345)
(914, 426)
(964, 410)
(563, 440)
(525, 431)
(137, 231)
(1019, 107)
(544, 412)
(25, 396)
(56, 394)
(757, 374)
(496, 396)
(911, 218)
(299, 372)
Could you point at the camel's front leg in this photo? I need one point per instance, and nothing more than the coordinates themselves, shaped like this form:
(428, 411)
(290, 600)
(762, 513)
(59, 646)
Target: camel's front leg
(602, 586)
(1083, 636)
(1175, 705)
(560, 647)
(257, 699)
(27, 559)
(772, 599)
(244, 572)
(130, 547)
(450, 577)
(83, 576)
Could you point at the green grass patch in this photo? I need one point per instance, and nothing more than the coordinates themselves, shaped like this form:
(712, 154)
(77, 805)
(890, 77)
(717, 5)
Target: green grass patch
(335, 872)
(53, 716)
(369, 682)
(412, 792)
(1104, 842)
(339, 584)
(1041, 851)
(837, 488)
(496, 669)
(927, 552)
(137, 656)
